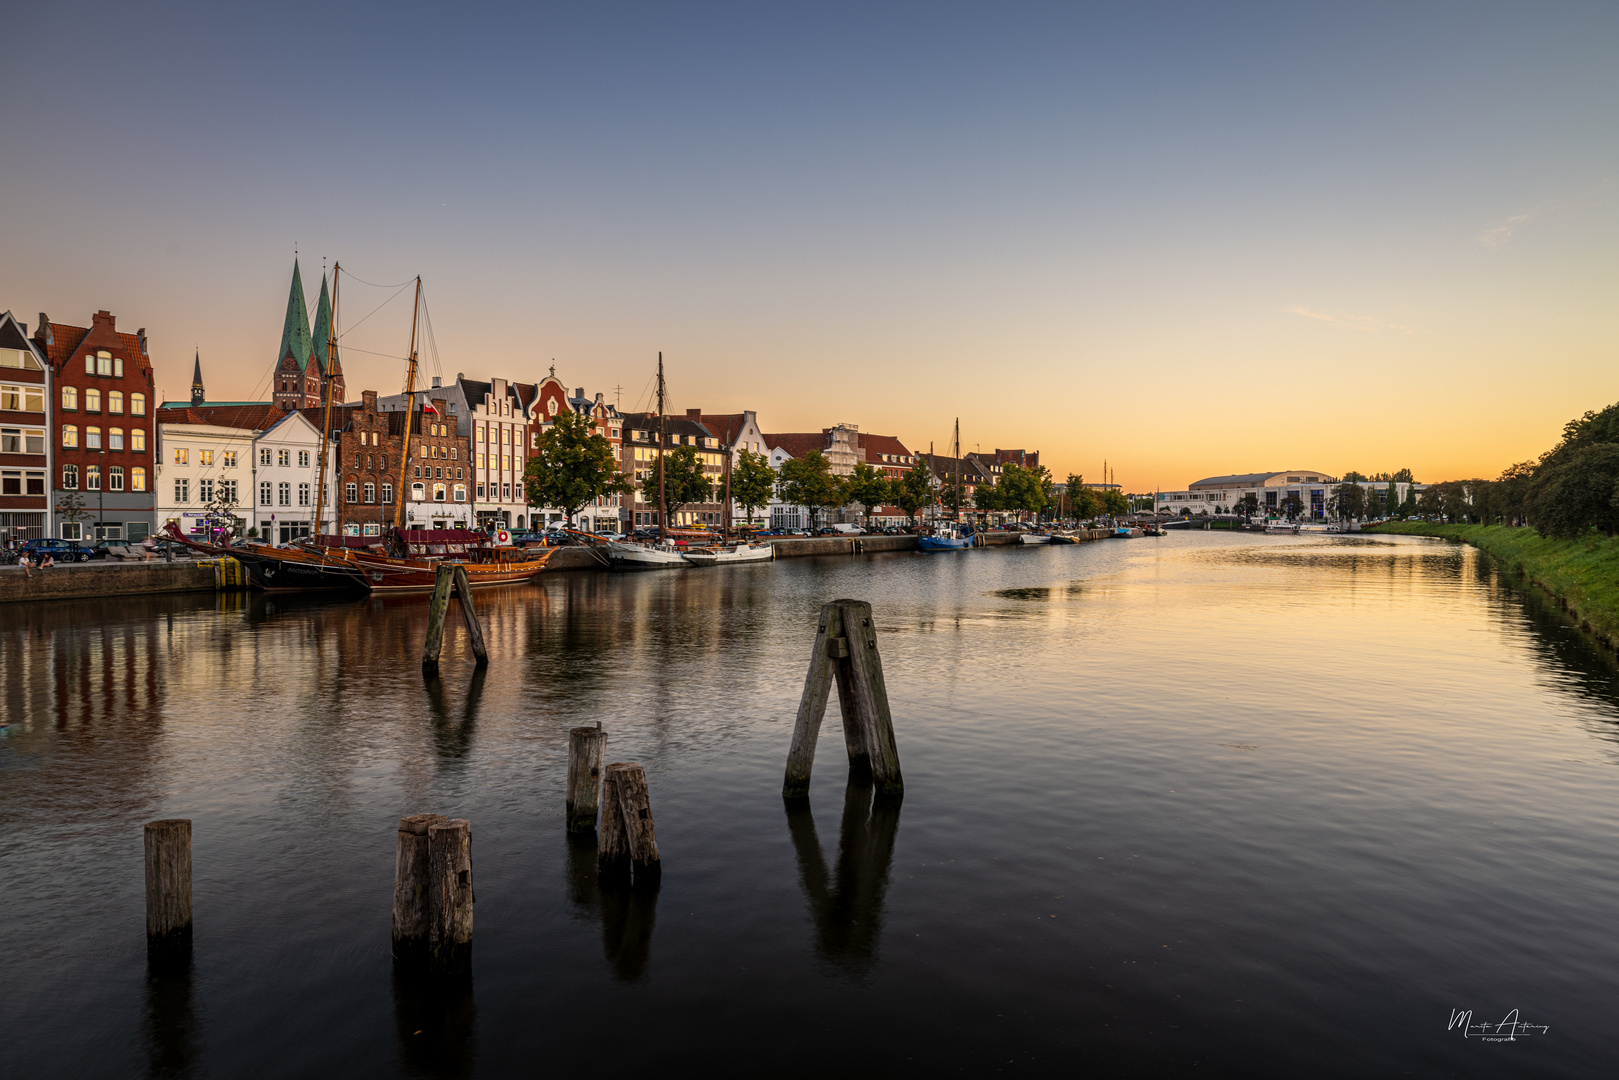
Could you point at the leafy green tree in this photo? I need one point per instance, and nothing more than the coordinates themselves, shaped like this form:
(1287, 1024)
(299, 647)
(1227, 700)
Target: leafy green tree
(1431, 505)
(1403, 476)
(684, 481)
(1512, 491)
(571, 467)
(1114, 503)
(914, 490)
(953, 493)
(1082, 501)
(988, 498)
(1348, 501)
(752, 481)
(1578, 493)
(1292, 506)
(1248, 505)
(1352, 477)
(867, 486)
(808, 481)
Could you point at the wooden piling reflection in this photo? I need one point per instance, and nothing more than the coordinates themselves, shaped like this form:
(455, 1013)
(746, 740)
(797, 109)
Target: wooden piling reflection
(845, 654)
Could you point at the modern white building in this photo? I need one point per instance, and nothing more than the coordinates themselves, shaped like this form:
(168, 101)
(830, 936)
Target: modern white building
(1311, 487)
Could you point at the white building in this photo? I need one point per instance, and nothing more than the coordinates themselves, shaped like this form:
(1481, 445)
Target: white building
(203, 467)
(498, 424)
(1312, 488)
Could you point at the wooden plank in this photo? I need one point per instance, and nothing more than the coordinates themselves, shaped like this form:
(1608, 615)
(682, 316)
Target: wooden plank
(168, 880)
(449, 894)
(613, 842)
(463, 591)
(812, 706)
(870, 693)
(635, 811)
(587, 749)
(410, 916)
(435, 619)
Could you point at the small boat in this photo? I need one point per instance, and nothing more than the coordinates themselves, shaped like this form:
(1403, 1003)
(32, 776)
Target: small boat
(1125, 531)
(422, 550)
(1036, 538)
(629, 555)
(947, 537)
(1063, 538)
(726, 554)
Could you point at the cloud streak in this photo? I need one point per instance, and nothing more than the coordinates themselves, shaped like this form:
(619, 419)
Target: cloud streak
(1354, 322)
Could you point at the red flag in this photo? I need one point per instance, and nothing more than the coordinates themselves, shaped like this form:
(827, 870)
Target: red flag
(428, 406)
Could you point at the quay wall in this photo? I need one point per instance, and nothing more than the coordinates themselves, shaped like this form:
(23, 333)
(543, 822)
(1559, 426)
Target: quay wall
(105, 579)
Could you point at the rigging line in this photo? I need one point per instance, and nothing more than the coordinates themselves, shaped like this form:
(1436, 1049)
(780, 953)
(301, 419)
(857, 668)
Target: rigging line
(373, 311)
(372, 352)
(374, 285)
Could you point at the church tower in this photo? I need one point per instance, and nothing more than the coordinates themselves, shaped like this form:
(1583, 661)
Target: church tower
(325, 366)
(288, 386)
(197, 396)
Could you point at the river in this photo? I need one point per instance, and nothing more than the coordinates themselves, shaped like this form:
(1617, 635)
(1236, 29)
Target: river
(1232, 804)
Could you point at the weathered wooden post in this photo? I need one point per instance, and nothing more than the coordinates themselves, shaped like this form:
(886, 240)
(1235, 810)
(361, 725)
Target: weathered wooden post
(587, 748)
(628, 843)
(463, 591)
(168, 882)
(845, 653)
(442, 585)
(449, 894)
(410, 887)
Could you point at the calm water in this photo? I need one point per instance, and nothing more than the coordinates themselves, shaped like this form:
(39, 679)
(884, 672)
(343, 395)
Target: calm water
(1212, 803)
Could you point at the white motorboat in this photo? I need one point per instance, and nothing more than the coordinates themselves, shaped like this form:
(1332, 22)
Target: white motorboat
(1036, 538)
(632, 556)
(725, 554)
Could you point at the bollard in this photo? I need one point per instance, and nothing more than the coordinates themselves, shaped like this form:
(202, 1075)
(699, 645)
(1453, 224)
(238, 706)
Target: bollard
(168, 881)
(449, 895)
(451, 578)
(463, 591)
(845, 653)
(410, 887)
(628, 844)
(587, 749)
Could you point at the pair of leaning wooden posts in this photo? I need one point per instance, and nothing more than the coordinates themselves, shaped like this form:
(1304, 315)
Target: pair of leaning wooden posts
(433, 894)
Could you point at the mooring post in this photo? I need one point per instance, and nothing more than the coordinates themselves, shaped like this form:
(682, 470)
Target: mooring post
(587, 748)
(435, 618)
(449, 894)
(845, 653)
(168, 881)
(628, 843)
(463, 591)
(410, 922)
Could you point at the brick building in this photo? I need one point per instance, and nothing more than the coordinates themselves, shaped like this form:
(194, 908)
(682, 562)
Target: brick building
(25, 446)
(102, 407)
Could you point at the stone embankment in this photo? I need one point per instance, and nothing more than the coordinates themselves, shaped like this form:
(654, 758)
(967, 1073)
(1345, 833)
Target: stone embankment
(105, 579)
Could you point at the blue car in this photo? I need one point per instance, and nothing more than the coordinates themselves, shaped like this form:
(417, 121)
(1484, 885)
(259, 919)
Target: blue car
(60, 550)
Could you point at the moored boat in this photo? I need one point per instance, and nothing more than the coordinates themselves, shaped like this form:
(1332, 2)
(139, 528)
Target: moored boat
(629, 555)
(726, 554)
(948, 536)
(1036, 538)
(424, 549)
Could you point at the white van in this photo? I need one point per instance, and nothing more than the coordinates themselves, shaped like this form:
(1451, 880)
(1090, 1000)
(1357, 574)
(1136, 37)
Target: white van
(850, 530)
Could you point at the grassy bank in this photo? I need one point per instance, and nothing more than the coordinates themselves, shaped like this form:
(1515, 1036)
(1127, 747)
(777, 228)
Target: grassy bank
(1583, 574)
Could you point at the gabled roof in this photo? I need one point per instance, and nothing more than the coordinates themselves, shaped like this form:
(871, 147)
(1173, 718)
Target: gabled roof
(727, 427)
(678, 425)
(12, 337)
(796, 443)
(250, 417)
(64, 341)
(295, 327)
(878, 445)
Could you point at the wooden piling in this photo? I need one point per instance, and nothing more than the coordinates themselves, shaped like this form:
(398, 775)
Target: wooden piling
(845, 653)
(587, 748)
(628, 845)
(168, 880)
(442, 585)
(449, 894)
(411, 920)
(463, 591)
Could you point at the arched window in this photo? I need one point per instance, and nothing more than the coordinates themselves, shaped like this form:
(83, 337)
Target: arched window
(137, 439)
(454, 454)
(92, 477)
(70, 435)
(137, 479)
(92, 400)
(70, 397)
(70, 477)
(418, 492)
(115, 478)
(115, 401)
(351, 492)
(137, 404)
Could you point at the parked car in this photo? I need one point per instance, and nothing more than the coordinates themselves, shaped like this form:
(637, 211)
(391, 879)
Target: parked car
(114, 549)
(60, 550)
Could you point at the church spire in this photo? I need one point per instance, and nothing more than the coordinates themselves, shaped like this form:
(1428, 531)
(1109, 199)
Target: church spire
(295, 328)
(323, 329)
(197, 395)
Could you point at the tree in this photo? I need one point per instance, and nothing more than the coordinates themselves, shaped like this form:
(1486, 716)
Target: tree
(1248, 505)
(1082, 502)
(1114, 504)
(1430, 505)
(1353, 477)
(72, 508)
(988, 498)
(1023, 489)
(1292, 506)
(953, 493)
(808, 481)
(1403, 476)
(684, 481)
(1577, 494)
(914, 490)
(571, 467)
(868, 487)
(1512, 491)
(1348, 501)
(752, 481)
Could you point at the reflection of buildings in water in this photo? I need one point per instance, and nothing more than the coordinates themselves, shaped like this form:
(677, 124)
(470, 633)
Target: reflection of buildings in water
(628, 914)
(847, 906)
(436, 1018)
(171, 1026)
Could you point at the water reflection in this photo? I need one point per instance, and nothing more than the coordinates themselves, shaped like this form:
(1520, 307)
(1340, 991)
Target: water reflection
(172, 1037)
(628, 914)
(847, 905)
(453, 726)
(437, 1022)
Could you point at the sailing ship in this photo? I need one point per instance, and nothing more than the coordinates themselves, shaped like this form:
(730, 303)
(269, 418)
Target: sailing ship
(663, 555)
(952, 535)
(726, 554)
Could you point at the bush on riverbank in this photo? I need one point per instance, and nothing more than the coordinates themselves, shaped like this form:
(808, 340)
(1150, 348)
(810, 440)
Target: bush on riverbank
(1582, 572)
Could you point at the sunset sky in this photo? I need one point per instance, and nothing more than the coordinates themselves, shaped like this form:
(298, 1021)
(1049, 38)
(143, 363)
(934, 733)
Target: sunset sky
(1189, 239)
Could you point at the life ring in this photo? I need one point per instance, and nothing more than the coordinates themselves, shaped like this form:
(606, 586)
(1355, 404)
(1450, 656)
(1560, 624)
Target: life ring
(502, 537)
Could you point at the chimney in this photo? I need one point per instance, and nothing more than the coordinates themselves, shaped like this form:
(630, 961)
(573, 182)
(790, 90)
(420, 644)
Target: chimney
(141, 334)
(579, 393)
(368, 398)
(694, 414)
(438, 384)
(103, 319)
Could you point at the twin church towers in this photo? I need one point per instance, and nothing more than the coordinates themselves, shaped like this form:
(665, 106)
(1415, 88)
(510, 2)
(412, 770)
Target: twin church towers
(306, 361)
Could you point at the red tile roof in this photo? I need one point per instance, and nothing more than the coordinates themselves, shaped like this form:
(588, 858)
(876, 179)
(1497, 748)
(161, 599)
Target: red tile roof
(250, 417)
(797, 443)
(725, 426)
(878, 445)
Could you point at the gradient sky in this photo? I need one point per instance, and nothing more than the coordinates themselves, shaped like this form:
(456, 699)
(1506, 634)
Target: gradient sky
(1190, 239)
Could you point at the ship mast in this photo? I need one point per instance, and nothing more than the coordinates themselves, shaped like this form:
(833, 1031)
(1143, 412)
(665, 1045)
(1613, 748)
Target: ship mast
(663, 446)
(326, 435)
(410, 408)
(956, 497)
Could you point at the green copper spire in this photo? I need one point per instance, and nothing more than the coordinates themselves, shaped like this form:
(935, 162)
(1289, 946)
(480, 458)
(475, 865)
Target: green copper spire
(323, 327)
(295, 329)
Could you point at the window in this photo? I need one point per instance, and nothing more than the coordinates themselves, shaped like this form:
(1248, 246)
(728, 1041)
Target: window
(264, 455)
(303, 459)
(458, 474)
(70, 397)
(103, 363)
(115, 438)
(505, 461)
(370, 492)
(115, 478)
(137, 404)
(480, 459)
(182, 490)
(303, 494)
(383, 463)
(455, 454)
(115, 401)
(205, 457)
(70, 436)
(418, 472)
(137, 479)
(230, 459)
(438, 474)
(460, 493)
(72, 530)
(283, 458)
(418, 492)
(477, 433)
(92, 477)
(264, 491)
(89, 364)
(479, 490)
(227, 492)
(432, 452)
(438, 492)
(387, 493)
(351, 492)
(92, 438)
(10, 483)
(421, 450)
(22, 398)
(506, 492)
(283, 493)
(205, 491)
(181, 455)
(70, 477)
(92, 400)
(137, 439)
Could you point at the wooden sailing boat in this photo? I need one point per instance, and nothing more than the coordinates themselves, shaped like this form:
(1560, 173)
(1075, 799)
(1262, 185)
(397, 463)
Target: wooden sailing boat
(664, 555)
(951, 537)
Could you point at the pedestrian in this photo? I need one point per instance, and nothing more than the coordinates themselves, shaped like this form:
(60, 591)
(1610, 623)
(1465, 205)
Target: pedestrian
(22, 561)
(149, 546)
(47, 562)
